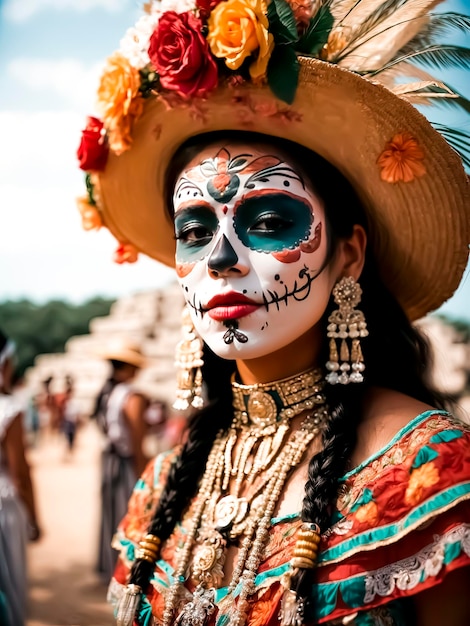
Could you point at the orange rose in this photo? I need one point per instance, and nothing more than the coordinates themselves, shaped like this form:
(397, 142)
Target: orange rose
(421, 479)
(237, 30)
(91, 219)
(119, 101)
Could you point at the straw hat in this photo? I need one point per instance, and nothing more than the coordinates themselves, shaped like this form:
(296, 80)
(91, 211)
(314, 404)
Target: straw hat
(411, 182)
(121, 349)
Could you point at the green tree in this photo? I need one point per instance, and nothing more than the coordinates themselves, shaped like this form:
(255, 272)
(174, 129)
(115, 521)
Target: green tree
(45, 328)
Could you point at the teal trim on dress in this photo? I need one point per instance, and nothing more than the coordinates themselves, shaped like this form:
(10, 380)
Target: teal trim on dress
(284, 518)
(403, 431)
(378, 535)
(353, 589)
(157, 469)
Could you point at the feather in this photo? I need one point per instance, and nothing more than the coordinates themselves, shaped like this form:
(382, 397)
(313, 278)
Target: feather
(353, 12)
(440, 57)
(428, 88)
(378, 39)
(438, 25)
(406, 70)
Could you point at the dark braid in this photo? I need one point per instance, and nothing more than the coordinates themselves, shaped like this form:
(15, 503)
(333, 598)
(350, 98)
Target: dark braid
(187, 469)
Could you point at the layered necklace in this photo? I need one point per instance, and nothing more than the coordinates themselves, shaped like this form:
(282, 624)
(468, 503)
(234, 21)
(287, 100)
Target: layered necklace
(244, 477)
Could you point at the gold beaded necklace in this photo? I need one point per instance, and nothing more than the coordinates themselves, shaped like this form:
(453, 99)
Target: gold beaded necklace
(255, 458)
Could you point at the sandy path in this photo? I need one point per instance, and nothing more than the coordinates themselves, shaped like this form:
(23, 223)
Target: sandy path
(63, 589)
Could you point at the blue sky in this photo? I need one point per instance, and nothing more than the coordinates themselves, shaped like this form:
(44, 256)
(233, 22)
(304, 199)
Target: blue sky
(51, 55)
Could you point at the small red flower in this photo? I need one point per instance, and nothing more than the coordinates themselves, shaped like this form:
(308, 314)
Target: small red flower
(93, 150)
(125, 253)
(181, 56)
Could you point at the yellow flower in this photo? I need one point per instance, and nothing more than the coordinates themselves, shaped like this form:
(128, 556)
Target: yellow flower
(421, 479)
(91, 219)
(119, 101)
(239, 28)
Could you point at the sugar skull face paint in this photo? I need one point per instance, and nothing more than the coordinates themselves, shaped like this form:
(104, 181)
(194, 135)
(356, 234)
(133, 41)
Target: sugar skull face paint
(251, 249)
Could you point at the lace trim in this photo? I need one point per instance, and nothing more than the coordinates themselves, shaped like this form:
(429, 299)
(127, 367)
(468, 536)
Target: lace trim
(408, 573)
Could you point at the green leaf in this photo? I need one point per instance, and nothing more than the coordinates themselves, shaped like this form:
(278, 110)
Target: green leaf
(90, 190)
(283, 73)
(317, 32)
(282, 22)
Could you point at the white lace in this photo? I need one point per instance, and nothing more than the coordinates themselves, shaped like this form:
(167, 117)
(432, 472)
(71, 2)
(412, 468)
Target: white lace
(408, 573)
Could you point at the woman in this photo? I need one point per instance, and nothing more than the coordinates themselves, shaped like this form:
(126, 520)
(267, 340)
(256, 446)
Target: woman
(120, 413)
(323, 482)
(18, 519)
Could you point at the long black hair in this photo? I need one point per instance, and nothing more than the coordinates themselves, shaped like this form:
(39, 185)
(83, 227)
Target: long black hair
(395, 354)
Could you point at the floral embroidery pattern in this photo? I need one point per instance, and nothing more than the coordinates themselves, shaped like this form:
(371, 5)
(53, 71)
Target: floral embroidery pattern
(421, 478)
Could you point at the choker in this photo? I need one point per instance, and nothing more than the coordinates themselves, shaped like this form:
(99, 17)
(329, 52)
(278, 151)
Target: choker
(264, 405)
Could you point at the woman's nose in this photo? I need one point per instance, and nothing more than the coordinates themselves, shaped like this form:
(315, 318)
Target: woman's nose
(224, 261)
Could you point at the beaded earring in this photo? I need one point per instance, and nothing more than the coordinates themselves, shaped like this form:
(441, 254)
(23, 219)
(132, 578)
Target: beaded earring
(346, 322)
(188, 359)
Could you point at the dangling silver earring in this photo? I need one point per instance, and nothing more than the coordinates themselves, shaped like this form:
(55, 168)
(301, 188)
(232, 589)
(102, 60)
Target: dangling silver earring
(188, 360)
(346, 322)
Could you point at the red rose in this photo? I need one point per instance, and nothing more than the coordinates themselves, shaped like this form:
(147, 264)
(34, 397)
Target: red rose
(92, 152)
(181, 56)
(205, 7)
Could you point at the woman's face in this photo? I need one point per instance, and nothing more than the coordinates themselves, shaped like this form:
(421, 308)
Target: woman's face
(251, 249)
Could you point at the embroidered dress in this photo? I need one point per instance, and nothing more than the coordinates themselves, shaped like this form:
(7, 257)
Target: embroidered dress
(402, 524)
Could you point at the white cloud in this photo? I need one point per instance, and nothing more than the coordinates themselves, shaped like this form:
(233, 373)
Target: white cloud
(44, 252)
(72, 80)
(21, 10)
(39, 147)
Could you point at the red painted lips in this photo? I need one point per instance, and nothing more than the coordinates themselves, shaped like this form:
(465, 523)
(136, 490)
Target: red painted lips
(230, 306)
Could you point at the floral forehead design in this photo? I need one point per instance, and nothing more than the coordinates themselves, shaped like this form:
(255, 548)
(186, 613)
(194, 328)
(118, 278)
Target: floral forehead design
(180, 51)
(221, 173)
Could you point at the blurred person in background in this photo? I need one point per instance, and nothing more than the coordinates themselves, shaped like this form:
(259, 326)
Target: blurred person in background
(68, 414)
(18, 519)
(120, 412)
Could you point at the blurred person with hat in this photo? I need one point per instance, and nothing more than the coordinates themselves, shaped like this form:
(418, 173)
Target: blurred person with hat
(18, 517)
(120, 414)
(270, 153)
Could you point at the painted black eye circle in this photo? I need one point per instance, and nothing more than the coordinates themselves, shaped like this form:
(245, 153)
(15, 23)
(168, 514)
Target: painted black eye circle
(197, 234)
(270, 223)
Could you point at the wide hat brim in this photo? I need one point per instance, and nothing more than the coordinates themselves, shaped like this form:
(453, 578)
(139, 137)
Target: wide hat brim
(419, 230)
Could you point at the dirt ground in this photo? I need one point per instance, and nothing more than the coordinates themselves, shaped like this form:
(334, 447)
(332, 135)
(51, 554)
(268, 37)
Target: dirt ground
(63, 589)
